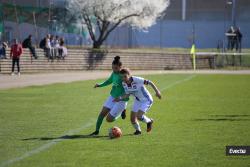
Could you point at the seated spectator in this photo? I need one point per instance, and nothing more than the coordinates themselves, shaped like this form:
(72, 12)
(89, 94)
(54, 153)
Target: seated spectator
(27, 43)
(47, 47)
(56, 47)
(62, 50)
(42, 43)
(3, 51)
(52, 46)
(57, 42)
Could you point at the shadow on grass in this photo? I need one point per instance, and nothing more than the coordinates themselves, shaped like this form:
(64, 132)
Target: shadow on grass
(65, 137)
(71, 137)
(230, 117)
(233, 117)
(221, 119)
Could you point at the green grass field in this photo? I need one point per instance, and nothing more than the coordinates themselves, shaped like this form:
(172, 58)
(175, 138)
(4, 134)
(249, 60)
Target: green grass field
(198, 116)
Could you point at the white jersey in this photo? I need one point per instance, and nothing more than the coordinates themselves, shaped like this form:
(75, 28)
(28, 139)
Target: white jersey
(138, 90)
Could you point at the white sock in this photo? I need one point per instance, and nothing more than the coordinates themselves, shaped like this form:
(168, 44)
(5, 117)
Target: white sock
(145, 119)
(137, 126)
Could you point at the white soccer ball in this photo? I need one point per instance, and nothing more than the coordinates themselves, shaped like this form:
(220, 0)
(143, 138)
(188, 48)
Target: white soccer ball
(115, 132)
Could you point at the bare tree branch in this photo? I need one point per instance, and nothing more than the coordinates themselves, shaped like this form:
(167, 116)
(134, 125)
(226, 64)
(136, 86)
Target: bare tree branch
(117, 24)
(89, 26)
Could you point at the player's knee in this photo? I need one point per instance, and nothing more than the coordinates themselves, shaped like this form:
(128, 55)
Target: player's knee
(133, 120)
(104, 111)
(110, 118)
(140, 117)
(133, 117)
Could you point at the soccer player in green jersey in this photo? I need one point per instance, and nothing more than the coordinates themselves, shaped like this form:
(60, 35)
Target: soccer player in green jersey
(111, 109)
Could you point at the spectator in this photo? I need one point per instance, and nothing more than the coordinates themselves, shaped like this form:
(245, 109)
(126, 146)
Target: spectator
(231, 38)
(52, 44)
(3, 51)
(238, 39)
(62, 49)
(57, 42)
(56, 46)
(42, 43)
(15, 53)
(27, 43)
(47, 47)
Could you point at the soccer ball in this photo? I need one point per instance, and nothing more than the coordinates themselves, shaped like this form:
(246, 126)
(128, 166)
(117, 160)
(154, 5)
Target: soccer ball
(115, 132)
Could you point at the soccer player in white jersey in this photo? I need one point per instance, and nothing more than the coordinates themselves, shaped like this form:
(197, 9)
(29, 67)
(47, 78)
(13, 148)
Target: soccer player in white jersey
(142, 99)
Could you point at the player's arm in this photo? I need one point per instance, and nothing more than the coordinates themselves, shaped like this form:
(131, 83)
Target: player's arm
(121, 98)
(157, 91)
(105, 83)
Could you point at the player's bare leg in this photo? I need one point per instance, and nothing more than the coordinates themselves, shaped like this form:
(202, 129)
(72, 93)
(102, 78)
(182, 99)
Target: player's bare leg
(99, 121)
(135, 123)
(110, 118)
(142, 117)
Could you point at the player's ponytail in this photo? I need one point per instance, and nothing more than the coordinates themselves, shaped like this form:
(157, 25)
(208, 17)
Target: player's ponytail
(117, 61)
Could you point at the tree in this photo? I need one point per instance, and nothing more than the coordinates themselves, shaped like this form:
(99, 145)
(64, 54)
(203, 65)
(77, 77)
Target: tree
(101, 17)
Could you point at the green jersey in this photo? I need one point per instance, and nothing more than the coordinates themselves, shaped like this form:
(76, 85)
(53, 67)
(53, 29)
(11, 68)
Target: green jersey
(117, 88)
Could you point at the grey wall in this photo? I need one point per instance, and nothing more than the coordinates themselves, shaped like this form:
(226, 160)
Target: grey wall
(180, 34)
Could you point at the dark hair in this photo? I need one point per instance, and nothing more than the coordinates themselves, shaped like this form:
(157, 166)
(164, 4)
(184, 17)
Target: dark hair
(117, 61)
(125, 71)
(61, 41)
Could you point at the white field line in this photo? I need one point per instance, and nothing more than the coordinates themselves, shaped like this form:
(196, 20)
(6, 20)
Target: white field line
(71, 132)
(45, 146)
(178, 82)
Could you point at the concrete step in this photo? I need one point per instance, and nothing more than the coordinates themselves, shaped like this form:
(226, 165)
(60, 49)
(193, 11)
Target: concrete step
(82, 60)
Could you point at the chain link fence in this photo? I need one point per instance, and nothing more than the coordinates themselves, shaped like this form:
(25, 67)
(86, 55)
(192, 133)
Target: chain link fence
(225, 60)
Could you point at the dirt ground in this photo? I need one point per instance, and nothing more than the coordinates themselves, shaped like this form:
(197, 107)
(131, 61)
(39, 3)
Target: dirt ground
(8, 81)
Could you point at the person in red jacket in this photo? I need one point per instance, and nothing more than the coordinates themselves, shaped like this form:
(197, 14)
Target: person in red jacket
(15, 53)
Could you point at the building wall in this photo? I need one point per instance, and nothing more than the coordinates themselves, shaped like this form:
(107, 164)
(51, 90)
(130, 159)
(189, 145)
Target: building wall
(207, 21)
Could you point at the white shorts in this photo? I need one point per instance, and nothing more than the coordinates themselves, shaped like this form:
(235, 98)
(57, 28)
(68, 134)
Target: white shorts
(142, 106)
(116, 108)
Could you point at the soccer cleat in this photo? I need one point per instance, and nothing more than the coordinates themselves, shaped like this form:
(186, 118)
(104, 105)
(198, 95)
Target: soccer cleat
(123, 115)
(137, 132)
(149, 125)
(94, 133)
